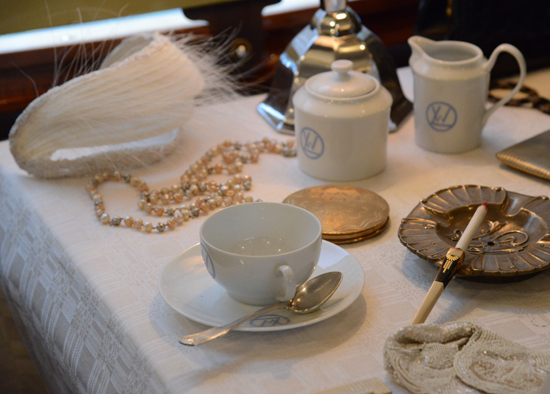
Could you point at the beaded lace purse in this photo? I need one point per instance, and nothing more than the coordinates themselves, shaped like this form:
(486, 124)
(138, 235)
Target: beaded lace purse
(461, 357)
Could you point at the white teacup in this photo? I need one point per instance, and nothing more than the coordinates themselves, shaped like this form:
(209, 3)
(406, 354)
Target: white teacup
(260, 252)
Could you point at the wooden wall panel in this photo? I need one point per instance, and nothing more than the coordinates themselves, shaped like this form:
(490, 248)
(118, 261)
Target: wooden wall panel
(24, 75)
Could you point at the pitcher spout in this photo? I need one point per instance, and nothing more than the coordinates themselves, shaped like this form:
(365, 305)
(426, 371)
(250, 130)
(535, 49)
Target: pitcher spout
(420, 46)
(449, 54)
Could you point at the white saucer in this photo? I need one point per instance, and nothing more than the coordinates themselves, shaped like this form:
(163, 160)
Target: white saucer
(187, 287)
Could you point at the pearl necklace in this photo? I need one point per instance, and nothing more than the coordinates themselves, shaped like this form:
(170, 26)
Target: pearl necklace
(210, 195)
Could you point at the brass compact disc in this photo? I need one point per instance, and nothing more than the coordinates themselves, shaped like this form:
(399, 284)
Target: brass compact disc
(347, 213)
(347, 239)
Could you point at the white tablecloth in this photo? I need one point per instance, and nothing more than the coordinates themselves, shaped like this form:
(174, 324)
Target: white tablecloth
(86, 294)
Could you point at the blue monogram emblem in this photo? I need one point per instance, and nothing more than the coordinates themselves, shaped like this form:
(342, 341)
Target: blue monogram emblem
(441, 116)
(311, 143)
(269, 320)
(208, 262)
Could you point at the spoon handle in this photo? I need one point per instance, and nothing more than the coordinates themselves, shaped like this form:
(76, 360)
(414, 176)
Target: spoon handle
(215, 332)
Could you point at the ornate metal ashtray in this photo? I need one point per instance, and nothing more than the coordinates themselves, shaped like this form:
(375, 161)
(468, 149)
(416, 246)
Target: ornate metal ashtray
(512, 241)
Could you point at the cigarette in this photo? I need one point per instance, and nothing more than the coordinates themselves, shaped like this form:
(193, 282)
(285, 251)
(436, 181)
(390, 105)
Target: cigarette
(452, 263)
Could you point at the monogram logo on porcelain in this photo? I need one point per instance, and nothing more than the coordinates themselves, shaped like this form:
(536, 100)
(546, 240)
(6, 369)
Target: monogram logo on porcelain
(269, 320)
(208, 262)
(311, 143)
(441, 116)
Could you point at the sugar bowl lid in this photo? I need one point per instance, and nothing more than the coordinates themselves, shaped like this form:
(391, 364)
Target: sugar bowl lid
(342, 82)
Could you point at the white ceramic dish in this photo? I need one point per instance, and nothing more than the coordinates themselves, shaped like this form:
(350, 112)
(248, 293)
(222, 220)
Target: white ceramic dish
(187, 287)
(341, 123)
(271, 248)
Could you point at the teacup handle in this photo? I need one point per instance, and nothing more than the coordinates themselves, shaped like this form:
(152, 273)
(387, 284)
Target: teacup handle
(512, 50)
(289, 282)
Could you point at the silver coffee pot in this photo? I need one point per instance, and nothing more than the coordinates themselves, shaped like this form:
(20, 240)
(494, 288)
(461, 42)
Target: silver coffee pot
(334, 33)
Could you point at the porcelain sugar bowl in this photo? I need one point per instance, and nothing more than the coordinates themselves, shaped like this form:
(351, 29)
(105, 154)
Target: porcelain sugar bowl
(342, 121)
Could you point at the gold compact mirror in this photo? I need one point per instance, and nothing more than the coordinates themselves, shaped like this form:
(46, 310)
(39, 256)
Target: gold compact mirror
(347, 213)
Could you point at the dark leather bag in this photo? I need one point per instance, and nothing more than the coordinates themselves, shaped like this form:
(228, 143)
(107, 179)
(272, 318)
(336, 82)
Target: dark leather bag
(489, 23)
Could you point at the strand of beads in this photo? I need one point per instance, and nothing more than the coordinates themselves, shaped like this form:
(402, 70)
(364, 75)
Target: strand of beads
(209, 195)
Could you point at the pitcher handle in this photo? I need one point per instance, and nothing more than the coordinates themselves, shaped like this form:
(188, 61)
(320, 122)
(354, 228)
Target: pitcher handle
(512, 50)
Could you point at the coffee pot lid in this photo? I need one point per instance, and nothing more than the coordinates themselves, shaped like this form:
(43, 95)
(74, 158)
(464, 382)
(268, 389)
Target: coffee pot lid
(341, 82)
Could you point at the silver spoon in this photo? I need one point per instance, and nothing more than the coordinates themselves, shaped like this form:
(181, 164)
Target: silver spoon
(308, 298)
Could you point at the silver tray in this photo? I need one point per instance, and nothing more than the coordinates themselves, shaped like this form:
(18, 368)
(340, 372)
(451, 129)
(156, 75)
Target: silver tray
(513, 240)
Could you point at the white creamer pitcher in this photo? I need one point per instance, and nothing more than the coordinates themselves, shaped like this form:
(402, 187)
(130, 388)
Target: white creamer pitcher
(451, 82)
